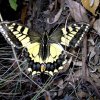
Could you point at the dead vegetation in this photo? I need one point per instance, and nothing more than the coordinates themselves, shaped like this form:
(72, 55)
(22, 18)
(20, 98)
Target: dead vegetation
(80, 80)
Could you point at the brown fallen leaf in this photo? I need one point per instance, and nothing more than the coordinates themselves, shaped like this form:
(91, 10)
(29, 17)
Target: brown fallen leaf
(96, 26)
(77, 11)
(96, 78)
(60, 84)
(91, 41)
(94, 56)
(91, 5)
(77, 63)
(82, 94)
(47, 96)
(24, 14)
(55, 18)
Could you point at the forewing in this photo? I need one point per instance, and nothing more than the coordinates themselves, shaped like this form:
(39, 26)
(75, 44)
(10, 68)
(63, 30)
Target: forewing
(20, 35)
(73, 34)
(69, 36)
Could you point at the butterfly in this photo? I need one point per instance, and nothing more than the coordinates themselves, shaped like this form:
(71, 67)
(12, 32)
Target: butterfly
(44, 52)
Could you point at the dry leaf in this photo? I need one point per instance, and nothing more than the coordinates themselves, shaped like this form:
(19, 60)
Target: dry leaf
(82, 94)
(68, 97)
(91, 5)
(77, 63)
(47, 96)
(24, 14)
(60, 84)
(96, 26)
(77, 11)
(55, 18)
(91, 41)
(96, 78)
(77, 74)
(60, 92)
(94, 58)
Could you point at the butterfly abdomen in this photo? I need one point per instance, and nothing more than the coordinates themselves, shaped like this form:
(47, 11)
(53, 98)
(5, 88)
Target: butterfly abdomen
(44, 51)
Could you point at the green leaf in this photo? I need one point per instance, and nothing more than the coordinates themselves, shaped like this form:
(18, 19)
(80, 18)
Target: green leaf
(13, 4)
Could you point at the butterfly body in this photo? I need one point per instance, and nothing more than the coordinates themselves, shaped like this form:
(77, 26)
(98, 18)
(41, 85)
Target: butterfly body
(44, 47)
(45, 52)
(50, 55)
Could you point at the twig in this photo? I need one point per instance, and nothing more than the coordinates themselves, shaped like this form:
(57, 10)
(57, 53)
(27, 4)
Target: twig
(84, 57)
(1, 17)
(85, 73)
(93, 84)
